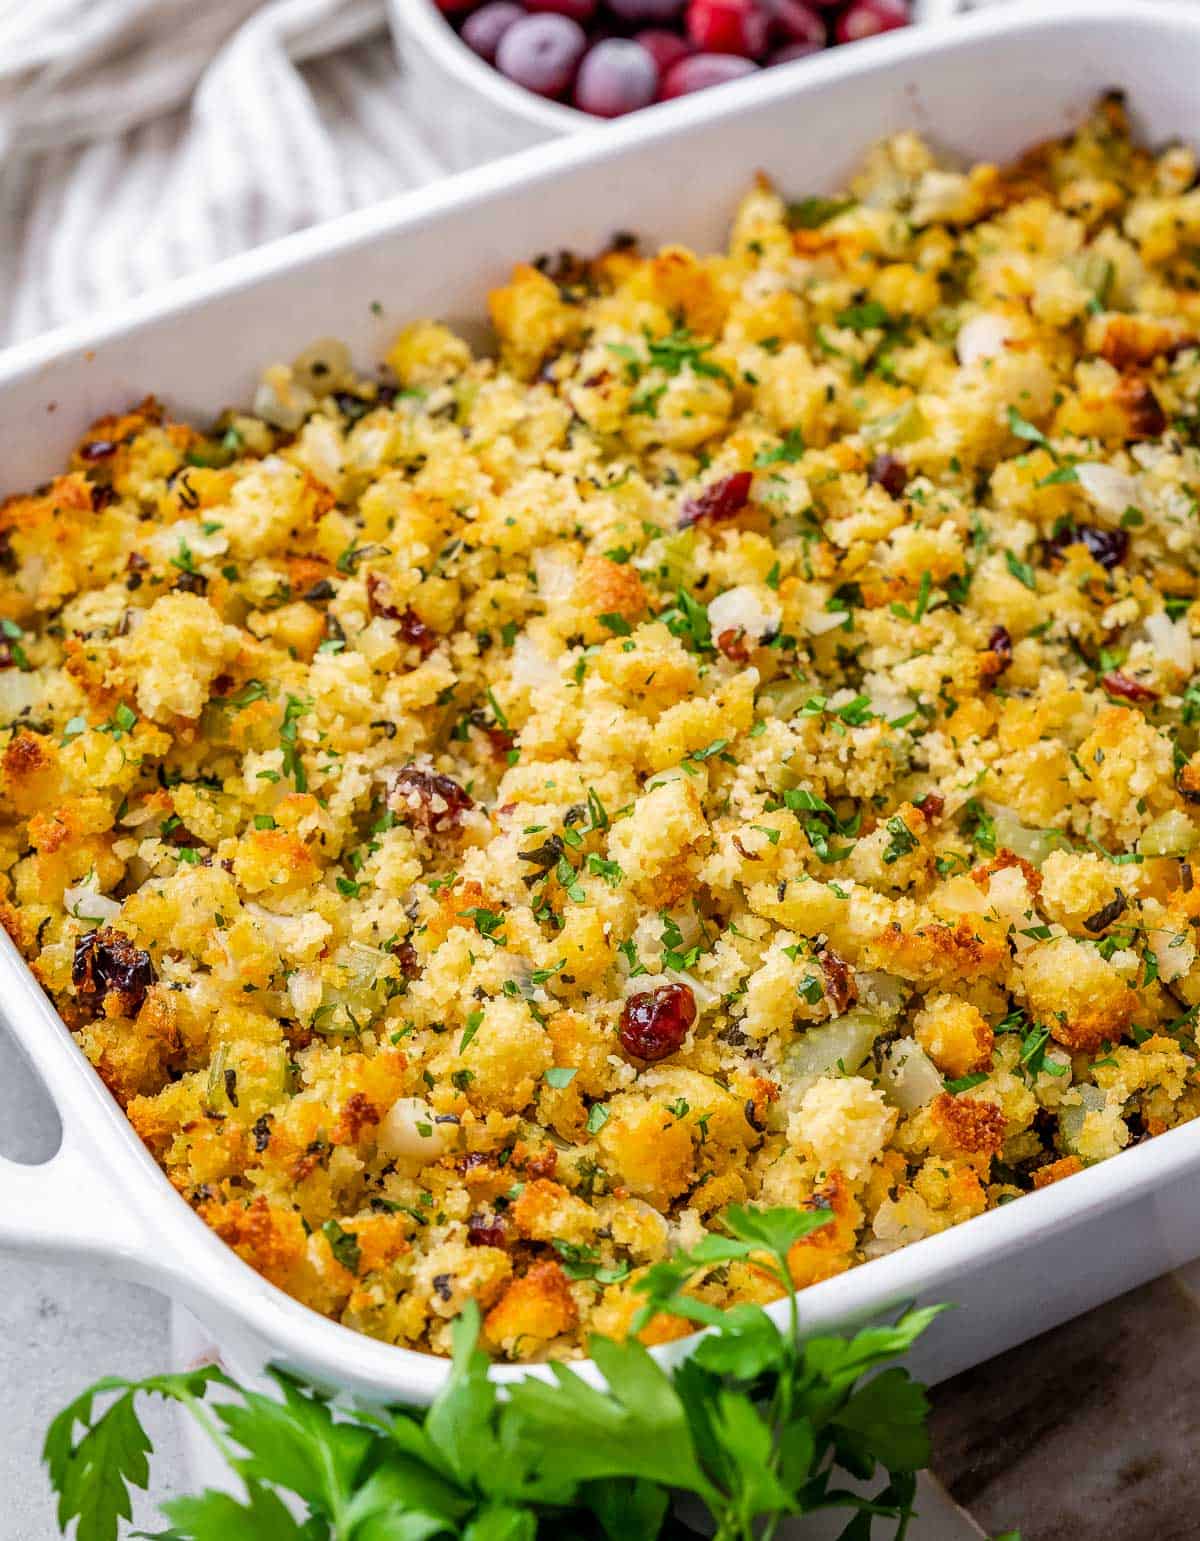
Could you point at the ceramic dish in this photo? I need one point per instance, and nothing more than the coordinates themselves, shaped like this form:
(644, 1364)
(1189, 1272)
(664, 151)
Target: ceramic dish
(505, 116)
(987, 86)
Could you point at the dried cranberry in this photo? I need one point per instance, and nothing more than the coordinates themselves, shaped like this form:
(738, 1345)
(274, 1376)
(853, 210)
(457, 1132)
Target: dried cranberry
(427, 799)
(1124, 688)
(733, 644)
(932, 805)
(1107, 547)
(105, 962)
(1147, 420)
(97, 449)
(655, 1023)
(102, 496)
(191, 583)
(890, 473)
(840, 988)
(485, 1230)
(999, 644)
(413, 629)
(720, 500)
(406, 955)
(7, 657)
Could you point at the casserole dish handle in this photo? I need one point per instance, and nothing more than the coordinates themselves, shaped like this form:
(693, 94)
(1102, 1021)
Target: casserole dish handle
(70, 1207)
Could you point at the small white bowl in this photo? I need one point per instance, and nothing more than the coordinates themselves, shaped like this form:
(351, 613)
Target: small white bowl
(470, 112)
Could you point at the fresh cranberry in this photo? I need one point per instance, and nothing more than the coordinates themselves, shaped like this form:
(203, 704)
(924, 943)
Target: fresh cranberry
(484, 28)
(699, 71)
(792, 22)
(616, 77)
(655, 1023)
(574, 10)
(738, 27)
(430, 801)
(868, 18)
(651, 11)
(791, 51)
(542, 53)
(665, 48)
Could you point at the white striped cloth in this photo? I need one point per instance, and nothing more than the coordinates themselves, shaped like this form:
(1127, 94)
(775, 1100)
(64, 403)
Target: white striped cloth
(142, 139)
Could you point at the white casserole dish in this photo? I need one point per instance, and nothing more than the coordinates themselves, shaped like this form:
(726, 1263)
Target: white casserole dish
(985, 86)
(506, 117)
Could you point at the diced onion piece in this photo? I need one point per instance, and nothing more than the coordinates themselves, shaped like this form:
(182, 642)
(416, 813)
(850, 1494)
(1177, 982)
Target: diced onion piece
(1171, 834)
(905, 425)
(409, 1132)
(305, 991)
(908, 1076)
(1174, 952)
(20, 689)
(87, 904)
(324, 366)
(1171, 640)
(556, 572)
(1110, 490)
(530, 666)
(1032, 845)
(824, 621)
(1071, 1117)
(744, 609)
(982, 336)
(842, 1044)
(884, 992)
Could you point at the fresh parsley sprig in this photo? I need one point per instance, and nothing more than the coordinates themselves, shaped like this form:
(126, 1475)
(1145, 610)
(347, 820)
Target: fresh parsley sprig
(752, 1427)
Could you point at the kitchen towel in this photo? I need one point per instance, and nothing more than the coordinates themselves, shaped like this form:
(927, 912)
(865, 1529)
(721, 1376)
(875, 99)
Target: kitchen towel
(142, 139)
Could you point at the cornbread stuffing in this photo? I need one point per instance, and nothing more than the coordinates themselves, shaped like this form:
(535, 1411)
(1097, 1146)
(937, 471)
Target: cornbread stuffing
(739, 744)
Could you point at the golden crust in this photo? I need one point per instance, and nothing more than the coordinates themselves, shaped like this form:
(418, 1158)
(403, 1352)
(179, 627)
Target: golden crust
(738, 744)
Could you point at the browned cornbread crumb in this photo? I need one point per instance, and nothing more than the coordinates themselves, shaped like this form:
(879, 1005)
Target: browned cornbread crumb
(801, 637)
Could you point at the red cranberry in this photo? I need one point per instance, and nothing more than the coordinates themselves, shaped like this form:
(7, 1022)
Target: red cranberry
(429, 801)
(1000, 643)
(1124, 688)
(729, 27)
(720, 500)
(868, 18)
(665, 48)
(97, 449)
(795, 22)
(841, 991)
(542, 53)
(105, 962)
(485, 1230)
(889, 473)
(932, 805)
(1107, 547)
(699, 71)
(791, 51)
(652, 11)
(616, 77)
(574, 10)
(655, 1023)
(484, 28)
